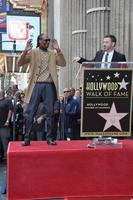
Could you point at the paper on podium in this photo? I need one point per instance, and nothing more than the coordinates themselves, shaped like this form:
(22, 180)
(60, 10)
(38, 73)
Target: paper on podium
(100, 65)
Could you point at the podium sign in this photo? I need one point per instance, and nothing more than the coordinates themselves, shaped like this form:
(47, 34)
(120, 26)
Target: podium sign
(107, 102)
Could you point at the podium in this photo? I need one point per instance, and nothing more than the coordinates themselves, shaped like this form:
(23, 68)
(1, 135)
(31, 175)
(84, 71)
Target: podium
(106, 99)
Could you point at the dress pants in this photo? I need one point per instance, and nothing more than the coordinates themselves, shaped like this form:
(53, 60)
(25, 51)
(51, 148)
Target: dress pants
(5, 137)
(47, 93)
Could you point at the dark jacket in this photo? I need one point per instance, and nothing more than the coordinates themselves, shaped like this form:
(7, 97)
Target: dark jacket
(117, 57)
(72, 113)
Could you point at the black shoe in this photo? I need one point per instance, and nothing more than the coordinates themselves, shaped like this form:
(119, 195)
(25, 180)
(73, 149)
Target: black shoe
(26, 142)
(51, 142)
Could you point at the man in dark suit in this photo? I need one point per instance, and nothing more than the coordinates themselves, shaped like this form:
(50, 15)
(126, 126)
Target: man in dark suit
(108, 54)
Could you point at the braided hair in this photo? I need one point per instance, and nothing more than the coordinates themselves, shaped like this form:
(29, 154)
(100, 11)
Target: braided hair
(38, 39)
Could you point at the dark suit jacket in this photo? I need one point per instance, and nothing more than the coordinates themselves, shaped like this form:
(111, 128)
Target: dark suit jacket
(117, 57)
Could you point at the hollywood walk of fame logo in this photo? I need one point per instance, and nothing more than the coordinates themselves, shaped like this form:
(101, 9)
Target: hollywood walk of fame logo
(103, 92)
(112, 118)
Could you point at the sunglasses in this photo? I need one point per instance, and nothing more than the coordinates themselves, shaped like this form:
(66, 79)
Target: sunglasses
(66, 91)
(47, 40)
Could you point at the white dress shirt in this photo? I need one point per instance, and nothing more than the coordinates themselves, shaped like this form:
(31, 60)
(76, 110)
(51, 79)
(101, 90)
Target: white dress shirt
(110, 56)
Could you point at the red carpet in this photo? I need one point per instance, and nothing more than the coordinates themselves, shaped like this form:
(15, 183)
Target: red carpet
(69, 170)
(93, 198)
(90, 198)
(101, 198)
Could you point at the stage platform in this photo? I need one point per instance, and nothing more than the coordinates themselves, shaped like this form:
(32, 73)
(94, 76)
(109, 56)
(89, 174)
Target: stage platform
(69, 170)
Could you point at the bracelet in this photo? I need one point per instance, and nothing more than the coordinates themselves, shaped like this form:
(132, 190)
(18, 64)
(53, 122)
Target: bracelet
(58, 50)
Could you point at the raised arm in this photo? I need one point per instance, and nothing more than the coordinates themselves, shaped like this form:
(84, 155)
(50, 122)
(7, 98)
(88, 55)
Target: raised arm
(60, 60)
(25, 56)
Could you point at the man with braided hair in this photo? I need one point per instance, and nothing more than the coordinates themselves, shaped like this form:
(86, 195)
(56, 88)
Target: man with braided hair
(43, 81)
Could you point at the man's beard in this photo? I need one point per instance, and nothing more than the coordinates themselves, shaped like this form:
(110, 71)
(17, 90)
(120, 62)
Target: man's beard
(44, 48)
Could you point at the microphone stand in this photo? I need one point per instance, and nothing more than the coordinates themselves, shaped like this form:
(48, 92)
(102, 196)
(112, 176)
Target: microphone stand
(14, 119)
(12, 41)
(62, 118)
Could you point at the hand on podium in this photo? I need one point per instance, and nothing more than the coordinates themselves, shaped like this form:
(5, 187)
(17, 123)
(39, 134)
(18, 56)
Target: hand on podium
(76, 59)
